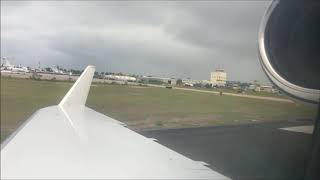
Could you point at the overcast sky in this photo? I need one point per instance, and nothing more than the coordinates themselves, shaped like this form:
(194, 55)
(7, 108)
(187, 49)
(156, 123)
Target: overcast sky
(171, 39)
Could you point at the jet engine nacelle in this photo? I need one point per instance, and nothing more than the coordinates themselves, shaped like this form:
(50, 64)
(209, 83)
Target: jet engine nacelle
(289, 47)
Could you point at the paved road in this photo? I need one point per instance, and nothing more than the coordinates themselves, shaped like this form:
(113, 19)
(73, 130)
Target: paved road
(229, 94)
(259, 151)
(238, 95)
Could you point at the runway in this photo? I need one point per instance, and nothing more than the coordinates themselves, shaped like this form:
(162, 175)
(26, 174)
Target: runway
(259, 151)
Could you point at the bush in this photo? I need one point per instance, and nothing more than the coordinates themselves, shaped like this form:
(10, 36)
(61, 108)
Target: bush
(159, 123)
(35, 76)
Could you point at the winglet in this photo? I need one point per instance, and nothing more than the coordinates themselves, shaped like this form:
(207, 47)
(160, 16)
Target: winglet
(78, 93)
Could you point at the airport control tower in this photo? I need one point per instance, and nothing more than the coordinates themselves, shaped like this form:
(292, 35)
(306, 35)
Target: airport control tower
(218, 77)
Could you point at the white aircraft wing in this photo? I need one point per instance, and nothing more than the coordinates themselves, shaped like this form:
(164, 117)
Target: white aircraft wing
(72, 141)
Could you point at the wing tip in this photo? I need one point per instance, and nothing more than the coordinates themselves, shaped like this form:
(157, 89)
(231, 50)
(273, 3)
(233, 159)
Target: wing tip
(77, 95)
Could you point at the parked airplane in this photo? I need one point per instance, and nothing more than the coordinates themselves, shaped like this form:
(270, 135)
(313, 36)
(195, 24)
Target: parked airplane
(7, 66)
(19, 69)
(56, 70)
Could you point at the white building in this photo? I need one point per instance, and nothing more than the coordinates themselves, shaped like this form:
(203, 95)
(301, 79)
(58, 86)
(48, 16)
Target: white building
(158, 80)
(218, 77)
(266, 88)
(252, 87)
(120, 78)
(191, 81)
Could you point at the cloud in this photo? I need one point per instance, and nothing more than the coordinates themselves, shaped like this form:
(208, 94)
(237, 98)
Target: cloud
(176, 39)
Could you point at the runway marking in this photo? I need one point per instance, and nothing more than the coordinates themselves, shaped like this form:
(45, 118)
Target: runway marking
(300, 129)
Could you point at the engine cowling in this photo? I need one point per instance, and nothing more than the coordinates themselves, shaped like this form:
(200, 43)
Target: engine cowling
(289, 47)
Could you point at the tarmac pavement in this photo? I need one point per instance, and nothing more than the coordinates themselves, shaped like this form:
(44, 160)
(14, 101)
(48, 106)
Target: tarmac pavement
(256, 151)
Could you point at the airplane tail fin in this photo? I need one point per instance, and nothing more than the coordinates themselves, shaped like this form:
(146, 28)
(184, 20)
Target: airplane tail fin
(78, 93)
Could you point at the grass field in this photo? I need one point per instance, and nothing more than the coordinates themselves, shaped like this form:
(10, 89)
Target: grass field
(144, 107)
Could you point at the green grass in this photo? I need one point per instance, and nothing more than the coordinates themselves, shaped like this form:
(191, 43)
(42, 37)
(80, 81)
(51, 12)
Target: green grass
(20, 98)
(144, 107)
